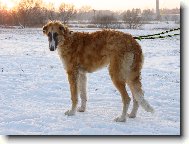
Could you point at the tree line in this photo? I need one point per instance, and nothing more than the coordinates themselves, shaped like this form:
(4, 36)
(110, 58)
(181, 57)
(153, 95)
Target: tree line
(29, 13)
(35, 13)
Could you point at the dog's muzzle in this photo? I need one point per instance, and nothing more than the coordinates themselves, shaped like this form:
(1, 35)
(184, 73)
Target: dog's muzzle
(53, 41)
(52, 48)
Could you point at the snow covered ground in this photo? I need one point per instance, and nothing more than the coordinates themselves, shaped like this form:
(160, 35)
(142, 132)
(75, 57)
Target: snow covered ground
(34, 91)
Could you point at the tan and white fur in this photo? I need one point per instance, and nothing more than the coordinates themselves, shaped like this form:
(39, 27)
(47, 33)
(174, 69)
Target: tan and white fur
(83, 52)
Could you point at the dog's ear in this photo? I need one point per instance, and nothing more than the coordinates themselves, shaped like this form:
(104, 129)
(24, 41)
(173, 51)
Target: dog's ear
(65, 30)
(45, 29)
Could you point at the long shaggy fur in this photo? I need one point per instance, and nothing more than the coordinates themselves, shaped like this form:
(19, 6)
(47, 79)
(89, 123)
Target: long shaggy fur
(83, 52)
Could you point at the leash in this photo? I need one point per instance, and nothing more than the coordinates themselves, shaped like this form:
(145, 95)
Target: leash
(158, 35)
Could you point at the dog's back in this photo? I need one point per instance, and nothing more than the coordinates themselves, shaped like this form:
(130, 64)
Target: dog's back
(92, 51)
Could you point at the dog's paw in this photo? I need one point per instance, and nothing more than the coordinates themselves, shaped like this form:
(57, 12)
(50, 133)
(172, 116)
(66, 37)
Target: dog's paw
(70, 113)
(120, 119)
(131, 115)
(81, 109)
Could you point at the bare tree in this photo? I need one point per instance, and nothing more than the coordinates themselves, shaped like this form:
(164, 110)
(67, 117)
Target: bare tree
(148, 15)
(176, 18)
(66, 12)
(84, 13)
(50, 12)
(2, 14)
(85, 9)
(105, 21)
(132, 18)
(30, 13)
(37, 16)
(24, 9)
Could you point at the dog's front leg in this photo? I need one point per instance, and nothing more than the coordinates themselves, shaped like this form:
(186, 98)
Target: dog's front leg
(82, 88)
(73, 80)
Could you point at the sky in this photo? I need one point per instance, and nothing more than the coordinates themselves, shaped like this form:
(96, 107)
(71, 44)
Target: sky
(122, 4)
(111, 4)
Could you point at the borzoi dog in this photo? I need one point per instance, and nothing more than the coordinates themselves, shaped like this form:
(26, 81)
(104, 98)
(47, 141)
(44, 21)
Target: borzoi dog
(83, 52)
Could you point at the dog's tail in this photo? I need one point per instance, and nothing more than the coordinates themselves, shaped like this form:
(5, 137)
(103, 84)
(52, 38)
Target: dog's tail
(139, 96)
(136, 86)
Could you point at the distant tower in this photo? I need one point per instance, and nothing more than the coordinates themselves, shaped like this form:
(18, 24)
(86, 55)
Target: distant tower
(157, 10)
(94, 11)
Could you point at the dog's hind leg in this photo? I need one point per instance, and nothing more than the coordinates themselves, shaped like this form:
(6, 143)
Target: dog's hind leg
(82, 83)
(125, 99)
(135, 105)
(120, 85)
(73, 80)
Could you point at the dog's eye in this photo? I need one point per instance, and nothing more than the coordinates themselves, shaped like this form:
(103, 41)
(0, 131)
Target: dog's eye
(44, 29)
(55, 34)
(61, 28)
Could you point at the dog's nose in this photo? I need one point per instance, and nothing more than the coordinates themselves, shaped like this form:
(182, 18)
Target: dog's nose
(52, 48)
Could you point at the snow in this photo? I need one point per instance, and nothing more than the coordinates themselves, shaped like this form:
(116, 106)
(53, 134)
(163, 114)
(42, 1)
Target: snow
(35, 92)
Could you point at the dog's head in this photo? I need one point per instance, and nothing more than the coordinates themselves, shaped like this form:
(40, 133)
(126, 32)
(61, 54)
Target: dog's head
(55, 32)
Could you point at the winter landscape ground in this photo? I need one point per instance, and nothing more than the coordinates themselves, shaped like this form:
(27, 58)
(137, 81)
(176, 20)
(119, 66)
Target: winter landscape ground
(34, 91)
